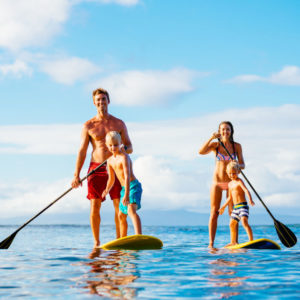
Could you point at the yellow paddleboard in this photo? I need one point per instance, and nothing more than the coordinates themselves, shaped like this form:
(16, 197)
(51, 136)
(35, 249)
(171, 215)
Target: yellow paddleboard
(134, 242)
(256, 244)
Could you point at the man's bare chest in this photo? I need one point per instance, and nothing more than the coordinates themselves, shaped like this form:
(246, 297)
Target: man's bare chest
(98, 131)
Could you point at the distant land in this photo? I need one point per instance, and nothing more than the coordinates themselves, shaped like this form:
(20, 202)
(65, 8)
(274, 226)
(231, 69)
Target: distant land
(163, 218)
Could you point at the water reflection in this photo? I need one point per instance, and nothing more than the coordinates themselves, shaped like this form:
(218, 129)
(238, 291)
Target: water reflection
(111, 273)
(224, 274)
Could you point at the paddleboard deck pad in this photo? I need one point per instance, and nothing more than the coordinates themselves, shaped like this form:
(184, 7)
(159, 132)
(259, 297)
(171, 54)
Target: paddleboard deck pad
(256, 244)
(134, 242)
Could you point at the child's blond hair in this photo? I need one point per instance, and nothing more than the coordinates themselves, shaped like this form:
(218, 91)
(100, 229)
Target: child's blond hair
(233, 165)
(113, 136)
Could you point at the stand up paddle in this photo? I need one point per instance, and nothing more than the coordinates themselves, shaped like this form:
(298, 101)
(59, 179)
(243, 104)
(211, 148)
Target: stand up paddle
(5, 244)
(286, 236)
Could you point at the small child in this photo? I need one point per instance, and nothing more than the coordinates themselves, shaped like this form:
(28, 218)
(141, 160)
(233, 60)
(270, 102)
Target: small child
(120, 164)
(236, 194)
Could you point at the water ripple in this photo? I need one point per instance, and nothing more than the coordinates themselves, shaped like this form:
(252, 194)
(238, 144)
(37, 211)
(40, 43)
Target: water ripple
(184, 268)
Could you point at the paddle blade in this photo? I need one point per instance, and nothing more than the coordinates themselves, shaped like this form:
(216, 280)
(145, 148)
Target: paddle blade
(5, 244)
(286, 236)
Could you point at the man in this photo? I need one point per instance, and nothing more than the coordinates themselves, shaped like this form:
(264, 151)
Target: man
(94, 132)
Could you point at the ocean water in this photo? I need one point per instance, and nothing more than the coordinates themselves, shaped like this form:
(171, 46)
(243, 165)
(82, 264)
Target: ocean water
(58, 262)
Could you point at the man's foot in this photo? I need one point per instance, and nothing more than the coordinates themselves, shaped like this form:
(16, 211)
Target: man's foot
(210, 245)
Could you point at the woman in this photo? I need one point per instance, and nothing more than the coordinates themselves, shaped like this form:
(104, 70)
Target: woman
(220, 177)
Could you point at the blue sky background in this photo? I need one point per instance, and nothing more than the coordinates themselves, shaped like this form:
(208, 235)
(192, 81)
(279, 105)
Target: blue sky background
(175, 70)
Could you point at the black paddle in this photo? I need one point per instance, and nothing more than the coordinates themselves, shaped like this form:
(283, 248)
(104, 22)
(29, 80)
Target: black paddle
(5, 244)
(286, 236)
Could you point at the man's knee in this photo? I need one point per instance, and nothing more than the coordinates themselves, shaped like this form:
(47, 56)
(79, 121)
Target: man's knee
(116, 203)
(95, 206)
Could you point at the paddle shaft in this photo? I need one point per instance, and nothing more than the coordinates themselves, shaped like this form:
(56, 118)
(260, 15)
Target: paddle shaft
(257, 195)
(62, 195)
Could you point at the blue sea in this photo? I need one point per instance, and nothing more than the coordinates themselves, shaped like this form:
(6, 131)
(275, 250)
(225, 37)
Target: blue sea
(58, 262)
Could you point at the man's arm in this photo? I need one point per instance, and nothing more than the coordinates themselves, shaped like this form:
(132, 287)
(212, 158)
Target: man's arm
(84, 143)
(125, 139)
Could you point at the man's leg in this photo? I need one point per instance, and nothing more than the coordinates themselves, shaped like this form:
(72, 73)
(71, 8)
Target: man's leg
(136, 221)
(95, 220)
(117, 221)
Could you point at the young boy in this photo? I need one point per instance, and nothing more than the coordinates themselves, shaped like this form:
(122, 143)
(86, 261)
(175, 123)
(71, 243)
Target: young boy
(236, 193)
(120, 164)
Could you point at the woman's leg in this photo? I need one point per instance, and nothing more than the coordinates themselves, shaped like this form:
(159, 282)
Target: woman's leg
(215, 201)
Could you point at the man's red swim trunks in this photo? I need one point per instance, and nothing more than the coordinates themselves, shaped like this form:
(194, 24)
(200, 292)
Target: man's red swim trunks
(97, 183)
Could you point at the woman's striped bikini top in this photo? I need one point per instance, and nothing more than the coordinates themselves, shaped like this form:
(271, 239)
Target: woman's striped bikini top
(222, 157)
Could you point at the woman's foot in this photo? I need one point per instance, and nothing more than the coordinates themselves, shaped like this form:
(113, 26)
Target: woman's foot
(96, 244)
(231, 244)
(210, 245)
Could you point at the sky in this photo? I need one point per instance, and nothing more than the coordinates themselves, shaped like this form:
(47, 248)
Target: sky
(174, 70)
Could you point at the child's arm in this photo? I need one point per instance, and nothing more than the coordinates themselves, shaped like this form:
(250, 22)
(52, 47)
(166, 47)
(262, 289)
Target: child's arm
(127, 173)
(110, 180)
(229, 199)
(242, 185)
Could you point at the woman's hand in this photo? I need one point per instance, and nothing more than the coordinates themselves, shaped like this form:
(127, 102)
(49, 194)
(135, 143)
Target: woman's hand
(215, 135)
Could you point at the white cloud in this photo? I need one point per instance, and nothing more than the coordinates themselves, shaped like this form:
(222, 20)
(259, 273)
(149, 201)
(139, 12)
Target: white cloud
(148, 87)
(40, 139)
(289, 75)
(166, 156)
(16, 69)
(24, 197)
(31, 22)
(34, 22)
(120, 2)
(69, 70)
(166, 187)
